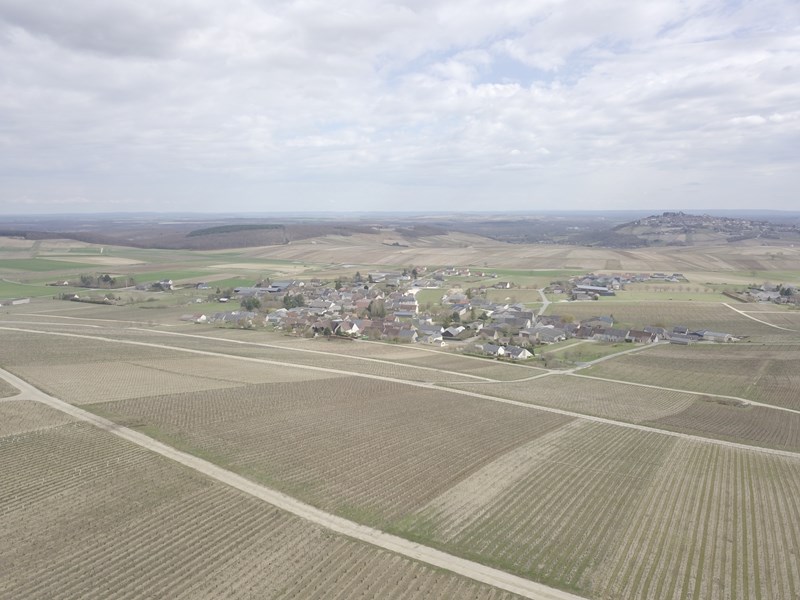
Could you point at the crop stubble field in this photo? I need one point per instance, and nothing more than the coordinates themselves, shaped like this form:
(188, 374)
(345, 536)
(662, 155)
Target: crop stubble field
(139, 526)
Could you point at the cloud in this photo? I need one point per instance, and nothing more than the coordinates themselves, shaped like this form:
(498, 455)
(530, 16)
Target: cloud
(183, 101)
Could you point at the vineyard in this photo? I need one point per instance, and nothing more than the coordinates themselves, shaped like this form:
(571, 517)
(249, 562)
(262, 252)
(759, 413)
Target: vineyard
(783, 318)
(753, 425)
(31, 349)
(767, 374)
(372, 364)
(22, 416)
(404, 354)
(6, 389)
(591, 397)
(596, 508)
(94, 382)
(624, 514)
(137, 523)
(694, 315)
(363, 448)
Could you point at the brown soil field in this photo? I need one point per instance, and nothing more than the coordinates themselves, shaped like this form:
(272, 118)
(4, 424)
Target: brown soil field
(767, 374)
(138, 525)
(23, 416)
(626, 514)
(754, 425)
(366, 449)
(590, 397)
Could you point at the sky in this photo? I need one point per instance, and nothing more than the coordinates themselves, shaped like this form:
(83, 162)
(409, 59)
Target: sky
(366, 105)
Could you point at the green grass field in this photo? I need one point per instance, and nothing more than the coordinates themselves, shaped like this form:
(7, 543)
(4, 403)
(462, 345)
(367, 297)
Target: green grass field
(42, 264)
(15, 290)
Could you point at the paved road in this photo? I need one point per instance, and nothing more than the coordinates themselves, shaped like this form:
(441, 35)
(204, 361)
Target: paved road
(431, 556)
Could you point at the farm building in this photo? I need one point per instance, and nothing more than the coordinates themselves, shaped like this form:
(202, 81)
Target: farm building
(517, 353)
(715, 336)
(15, 301)
(491, 349)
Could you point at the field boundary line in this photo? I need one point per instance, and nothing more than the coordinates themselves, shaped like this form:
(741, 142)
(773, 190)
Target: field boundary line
(433, 386)
(692, 392)
(472, 570)
(744, 314)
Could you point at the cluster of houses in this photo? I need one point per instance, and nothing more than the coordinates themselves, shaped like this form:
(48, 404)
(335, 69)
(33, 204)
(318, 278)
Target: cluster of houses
(777, 294)
(384, 306)
(592, 287)
(602, 329)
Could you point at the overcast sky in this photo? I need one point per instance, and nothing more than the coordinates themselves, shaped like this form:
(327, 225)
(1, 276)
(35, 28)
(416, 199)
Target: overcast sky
(256, 105)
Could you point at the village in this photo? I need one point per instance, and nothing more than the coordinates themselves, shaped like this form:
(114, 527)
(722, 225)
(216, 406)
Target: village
(385, 306)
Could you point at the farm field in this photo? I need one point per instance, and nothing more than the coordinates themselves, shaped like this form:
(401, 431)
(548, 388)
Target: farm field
(598, 398)
(754, 425)
(366, 449)
(39, 264)
(695, 315)
(74, 376)
(416, 370)
(785, 318)
(6, 389)
(136, 523)
(603, 510)
(24, 416)
(411, 355)
(757, 372)
(700, 415)
(93, 382)
(573, 352)
(655, 517)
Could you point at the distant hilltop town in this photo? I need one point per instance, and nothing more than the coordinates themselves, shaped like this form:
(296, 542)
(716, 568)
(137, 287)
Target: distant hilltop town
(679, 228)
